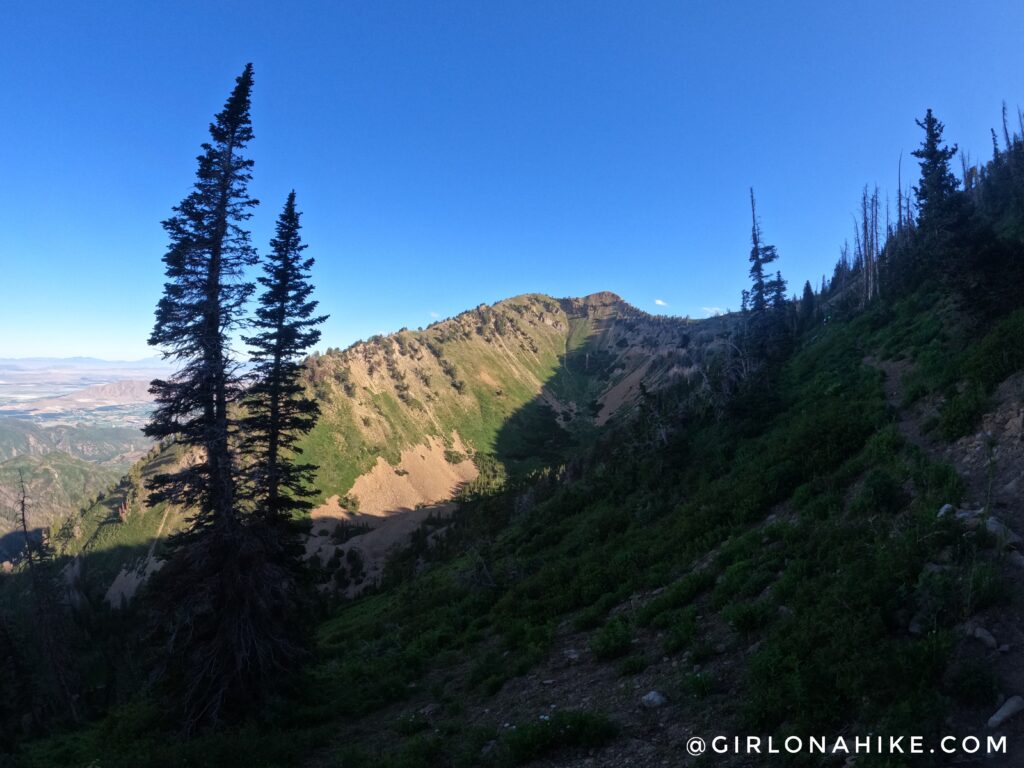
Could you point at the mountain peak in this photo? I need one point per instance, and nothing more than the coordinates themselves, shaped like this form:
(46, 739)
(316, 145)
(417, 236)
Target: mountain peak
(602, 299)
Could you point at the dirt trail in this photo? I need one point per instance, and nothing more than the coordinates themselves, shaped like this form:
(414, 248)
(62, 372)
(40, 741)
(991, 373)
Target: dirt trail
(128, 581)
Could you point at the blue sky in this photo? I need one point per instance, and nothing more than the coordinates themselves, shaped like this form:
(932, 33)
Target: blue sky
(451, 153)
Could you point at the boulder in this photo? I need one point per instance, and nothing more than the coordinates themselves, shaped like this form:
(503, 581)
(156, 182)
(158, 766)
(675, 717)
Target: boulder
(980, 633)
(1012, 706)
(653, 700)
(1006, 537)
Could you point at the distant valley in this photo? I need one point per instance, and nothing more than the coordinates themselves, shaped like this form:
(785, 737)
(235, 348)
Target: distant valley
(70, 428)
(78, 390)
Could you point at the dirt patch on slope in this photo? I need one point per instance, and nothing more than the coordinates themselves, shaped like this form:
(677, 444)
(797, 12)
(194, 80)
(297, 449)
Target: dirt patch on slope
(625, 391)
(423, 476)
(393, 503)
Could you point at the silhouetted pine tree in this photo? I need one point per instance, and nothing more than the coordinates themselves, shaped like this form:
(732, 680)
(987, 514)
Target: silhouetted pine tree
(277, 410)
(758, 292)
(807, 305)
(223, 600)
(938, 185)
(202, 304)
(56, 679)
(776, 288)
(761, 255)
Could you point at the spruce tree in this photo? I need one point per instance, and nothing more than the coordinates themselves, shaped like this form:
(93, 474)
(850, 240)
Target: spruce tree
(807, 301)
(777, 291)
(938, 185)
(278, 412)
(221, 601)
(761, 255)
(202, 305)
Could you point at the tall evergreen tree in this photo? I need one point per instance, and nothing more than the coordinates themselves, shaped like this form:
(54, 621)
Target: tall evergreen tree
(761, 255)
(202, 304)
(278, 411)
(938, 185)
(757, 287)
(777, 291)
(222, 600)
(807, 304)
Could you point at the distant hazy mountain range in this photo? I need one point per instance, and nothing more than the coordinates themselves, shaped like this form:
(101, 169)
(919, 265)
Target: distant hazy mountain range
(63, 363)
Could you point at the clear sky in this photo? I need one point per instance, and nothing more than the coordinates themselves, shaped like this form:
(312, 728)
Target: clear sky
(451, 153)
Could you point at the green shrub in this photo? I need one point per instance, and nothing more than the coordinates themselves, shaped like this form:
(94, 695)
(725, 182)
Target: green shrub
(612, 640)
(682, 630)
(678, 595)
(747, 618)
(963, 412)
(564, 729)
(880, 493)
(633, 665)
(999, 354)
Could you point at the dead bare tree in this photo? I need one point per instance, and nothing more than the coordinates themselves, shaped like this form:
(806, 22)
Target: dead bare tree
(57, 673)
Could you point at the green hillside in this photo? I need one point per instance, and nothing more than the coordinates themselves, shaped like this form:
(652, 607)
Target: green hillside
(520, 380)
(57, 485)
(20, 437)
(717, 561)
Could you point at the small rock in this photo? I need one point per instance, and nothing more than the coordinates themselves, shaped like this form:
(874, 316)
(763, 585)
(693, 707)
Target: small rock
(980, 633)
(549, 681)
(947, 509)
(489, 749)
(1013, 706)
(1006, 537)
(571, 655)
(935, 568)
(1004, 648)
(429, 709)
(653, 700)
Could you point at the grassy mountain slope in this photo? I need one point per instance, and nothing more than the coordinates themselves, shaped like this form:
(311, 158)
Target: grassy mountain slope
(520, 380)
(56, 484)
(64, 467)
(118, 445)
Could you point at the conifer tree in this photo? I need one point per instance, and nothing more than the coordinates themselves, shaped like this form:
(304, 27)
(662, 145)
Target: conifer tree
(807, 302)
(938, 184)
(777, 291)
(202, 304)
(222, 601)
(761, 255)
(278, 411)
